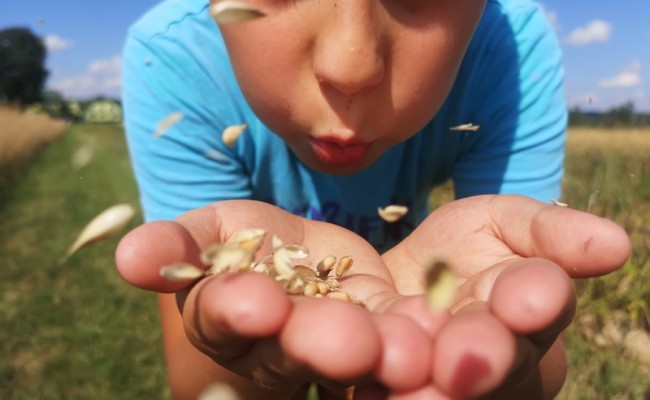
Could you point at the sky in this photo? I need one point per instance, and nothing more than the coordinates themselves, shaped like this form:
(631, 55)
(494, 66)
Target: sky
(606, 46)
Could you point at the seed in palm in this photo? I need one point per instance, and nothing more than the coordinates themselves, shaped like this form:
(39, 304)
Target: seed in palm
(238, 253)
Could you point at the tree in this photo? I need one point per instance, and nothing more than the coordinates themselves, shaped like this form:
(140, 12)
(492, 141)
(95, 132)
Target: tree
(22, 70)
(622, 115)
(577, 117)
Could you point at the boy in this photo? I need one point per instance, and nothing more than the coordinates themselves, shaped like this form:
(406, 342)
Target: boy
(348, 106)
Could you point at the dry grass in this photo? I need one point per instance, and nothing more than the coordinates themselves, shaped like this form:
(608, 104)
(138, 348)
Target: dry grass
(22, 133)
(636, 140)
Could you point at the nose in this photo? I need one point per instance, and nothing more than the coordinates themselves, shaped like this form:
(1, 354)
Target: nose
(348, 54)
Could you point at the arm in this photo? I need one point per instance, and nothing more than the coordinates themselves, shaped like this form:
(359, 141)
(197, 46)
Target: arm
(185, 166)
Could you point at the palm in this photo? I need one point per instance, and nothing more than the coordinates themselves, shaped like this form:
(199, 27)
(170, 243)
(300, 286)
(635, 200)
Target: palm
(244, 320)
(513, 257)
(481, 236)
(368, 275)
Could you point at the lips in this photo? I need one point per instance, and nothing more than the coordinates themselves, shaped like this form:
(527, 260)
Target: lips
(336, 153)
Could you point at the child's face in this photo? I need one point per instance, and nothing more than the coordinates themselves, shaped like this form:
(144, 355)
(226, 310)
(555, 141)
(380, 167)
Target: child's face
(342, 81)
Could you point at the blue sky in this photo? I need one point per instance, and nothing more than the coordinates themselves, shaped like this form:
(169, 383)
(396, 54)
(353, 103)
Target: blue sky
(606, 45)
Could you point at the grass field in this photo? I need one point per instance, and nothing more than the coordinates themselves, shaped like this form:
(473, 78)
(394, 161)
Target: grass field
(76, 331)
(72, 331)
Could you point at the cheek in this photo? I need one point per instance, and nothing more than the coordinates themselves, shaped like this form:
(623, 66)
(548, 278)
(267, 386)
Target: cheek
(420, 86)
(266, 75)
(425, 61)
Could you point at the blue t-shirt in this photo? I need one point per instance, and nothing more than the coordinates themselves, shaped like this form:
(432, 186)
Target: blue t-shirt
(510, 84)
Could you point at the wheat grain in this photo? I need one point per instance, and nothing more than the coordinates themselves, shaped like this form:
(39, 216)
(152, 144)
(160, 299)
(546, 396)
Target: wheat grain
(392, 213)
(441, 285)
(228, 12)
(232, 133)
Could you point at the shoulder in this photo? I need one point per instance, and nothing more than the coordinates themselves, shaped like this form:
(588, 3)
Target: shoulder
(516, 11)
(518, 20)
(169, 15)
(181, 31)
(514, 40)
(175, 53)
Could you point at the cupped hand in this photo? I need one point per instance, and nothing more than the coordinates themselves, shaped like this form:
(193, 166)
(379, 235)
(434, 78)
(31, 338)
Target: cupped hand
(514, 258)
(247, 323)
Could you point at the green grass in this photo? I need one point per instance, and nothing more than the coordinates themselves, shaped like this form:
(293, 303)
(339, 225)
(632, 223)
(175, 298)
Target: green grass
(621, 179)
(76, 331)
(72, 331)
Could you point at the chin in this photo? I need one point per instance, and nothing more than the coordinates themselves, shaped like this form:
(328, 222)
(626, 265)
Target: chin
(332, 169)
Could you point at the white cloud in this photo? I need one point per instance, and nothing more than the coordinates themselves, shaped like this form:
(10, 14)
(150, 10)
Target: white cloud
(629, 76)
(56, 43)
(103, 77)
(103, 67)
(596, 31)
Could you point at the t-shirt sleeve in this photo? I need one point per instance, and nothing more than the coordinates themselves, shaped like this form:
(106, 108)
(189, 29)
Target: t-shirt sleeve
(518, 96)
(174, 111)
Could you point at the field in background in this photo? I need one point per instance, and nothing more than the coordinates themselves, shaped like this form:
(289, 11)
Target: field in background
(609, 342)
(76, 331)
(21, 134)
(72, 331)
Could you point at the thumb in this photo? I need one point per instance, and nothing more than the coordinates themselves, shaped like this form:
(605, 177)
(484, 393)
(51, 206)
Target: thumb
(584, 244)
(142, 253)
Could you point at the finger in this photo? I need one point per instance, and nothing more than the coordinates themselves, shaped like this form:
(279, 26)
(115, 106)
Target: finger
(406, 353)
(534, 297)
(145, 250)
(224, 314)
(473, 354)
(235, 319)
(417, 309)
(335, 339)
(583, 244)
